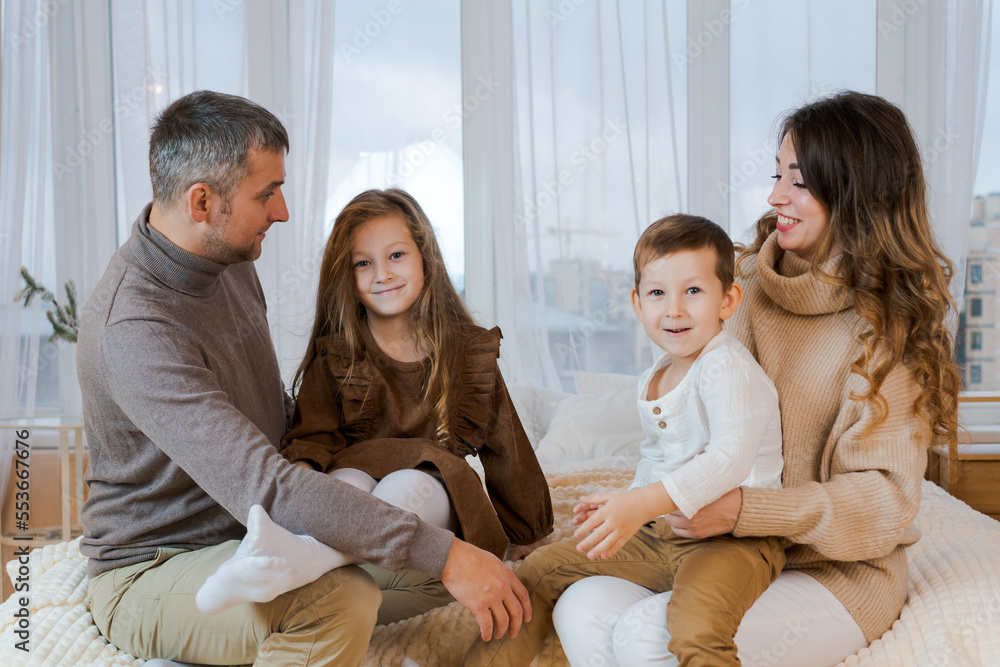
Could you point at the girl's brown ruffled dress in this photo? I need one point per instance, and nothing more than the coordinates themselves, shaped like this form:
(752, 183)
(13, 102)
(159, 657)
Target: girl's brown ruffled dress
(374, 419)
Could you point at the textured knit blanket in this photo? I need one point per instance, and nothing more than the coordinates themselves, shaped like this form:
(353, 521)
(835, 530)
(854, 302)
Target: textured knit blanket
(952, 615)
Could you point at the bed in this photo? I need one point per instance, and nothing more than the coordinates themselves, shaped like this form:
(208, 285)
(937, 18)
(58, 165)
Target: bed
(586, 442)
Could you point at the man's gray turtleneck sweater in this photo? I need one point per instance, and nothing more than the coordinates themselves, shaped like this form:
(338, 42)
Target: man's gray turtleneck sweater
(184, 408)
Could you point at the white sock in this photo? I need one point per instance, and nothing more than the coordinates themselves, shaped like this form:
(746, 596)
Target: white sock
(269, 561)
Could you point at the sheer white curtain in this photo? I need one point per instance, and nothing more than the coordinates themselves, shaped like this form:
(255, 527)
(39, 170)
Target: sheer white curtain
(56, 208)
(934, 63)
(551, 223)
(574, 142)
(81, 83)
(277, 53)
(784, 54)
(291, 73)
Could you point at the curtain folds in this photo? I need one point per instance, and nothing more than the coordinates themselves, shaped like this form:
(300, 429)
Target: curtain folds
(294, 79)
(577, 147)
(25, 210)
(575, 138)
(278, 54)
(934, 63)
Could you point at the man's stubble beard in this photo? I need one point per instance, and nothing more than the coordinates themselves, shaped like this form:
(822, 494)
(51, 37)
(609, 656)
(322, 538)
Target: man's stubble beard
(219, 250)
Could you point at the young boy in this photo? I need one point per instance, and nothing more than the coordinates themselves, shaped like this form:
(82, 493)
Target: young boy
(710, 415)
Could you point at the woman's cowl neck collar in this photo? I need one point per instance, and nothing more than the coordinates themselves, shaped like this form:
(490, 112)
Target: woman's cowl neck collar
(787, 279)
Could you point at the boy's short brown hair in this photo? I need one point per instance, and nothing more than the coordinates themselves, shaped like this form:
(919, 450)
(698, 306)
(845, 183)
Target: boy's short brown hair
(675, 233)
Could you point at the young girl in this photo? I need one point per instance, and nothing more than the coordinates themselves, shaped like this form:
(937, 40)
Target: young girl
(397, 387)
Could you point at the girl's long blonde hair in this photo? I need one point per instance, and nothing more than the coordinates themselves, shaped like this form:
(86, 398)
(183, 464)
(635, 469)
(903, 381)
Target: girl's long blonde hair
(858, 158)
(436, 316)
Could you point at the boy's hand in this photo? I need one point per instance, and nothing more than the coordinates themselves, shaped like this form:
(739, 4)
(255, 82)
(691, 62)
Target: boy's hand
(586, 508)
(617, 516)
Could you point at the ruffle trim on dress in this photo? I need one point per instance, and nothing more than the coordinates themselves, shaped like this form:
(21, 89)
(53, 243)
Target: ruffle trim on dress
(355, 384)
(474, 410)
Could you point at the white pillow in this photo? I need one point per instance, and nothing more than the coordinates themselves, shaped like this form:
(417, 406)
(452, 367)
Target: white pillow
(523, 398)
(595, 383)
(590, 426)
(535, 408)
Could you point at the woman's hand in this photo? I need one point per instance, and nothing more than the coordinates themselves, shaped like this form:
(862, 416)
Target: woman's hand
(716, 518)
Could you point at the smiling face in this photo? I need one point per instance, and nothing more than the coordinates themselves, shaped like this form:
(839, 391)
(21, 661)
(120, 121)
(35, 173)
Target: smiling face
(388, 270)
(237, 232)
(681, 303)
(801, 218)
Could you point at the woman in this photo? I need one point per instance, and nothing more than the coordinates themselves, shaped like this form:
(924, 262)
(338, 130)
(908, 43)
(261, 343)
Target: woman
(846, 296)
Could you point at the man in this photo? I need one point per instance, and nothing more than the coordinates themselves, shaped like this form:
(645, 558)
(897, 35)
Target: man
(184, 407)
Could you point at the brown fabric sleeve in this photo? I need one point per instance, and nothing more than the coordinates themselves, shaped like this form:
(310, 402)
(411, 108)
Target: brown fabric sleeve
(315, 436)
(514, 479)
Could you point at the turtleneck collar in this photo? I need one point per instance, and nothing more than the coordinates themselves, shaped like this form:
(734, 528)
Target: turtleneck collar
(786, 279)
(170, 264)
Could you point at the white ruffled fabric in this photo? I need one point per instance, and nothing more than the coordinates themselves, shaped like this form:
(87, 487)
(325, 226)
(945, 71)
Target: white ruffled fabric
(952, 615)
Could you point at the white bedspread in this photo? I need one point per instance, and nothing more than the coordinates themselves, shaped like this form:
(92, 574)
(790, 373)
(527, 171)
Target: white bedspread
(952, 616)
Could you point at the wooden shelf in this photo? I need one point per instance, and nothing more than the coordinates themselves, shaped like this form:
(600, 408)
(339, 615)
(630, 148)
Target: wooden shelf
(974, 475)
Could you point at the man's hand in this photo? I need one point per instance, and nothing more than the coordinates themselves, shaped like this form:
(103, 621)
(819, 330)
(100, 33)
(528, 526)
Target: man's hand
(521, 551)
(487, 588)
(716, 518)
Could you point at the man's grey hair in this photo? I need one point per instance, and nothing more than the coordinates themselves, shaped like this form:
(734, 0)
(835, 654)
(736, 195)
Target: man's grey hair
(206, 137)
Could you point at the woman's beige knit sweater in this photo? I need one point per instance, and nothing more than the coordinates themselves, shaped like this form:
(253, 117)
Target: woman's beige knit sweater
(848, 501)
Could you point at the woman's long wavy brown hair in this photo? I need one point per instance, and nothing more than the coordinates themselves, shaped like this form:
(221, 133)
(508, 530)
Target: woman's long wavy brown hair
(859, 160)
(436, 315)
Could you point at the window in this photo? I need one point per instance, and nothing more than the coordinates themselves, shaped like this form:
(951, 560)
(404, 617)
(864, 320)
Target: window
(836, 49)
(397, 91)
(983, 277)
(602, 152)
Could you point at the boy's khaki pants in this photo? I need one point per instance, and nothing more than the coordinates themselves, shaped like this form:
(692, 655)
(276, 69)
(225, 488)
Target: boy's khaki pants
(714, 582)
(148, 610)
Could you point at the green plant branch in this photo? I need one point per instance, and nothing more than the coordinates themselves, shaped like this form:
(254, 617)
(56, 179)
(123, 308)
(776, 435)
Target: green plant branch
(63, 318)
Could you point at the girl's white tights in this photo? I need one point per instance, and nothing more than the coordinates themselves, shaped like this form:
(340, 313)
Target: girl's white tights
(270, 560)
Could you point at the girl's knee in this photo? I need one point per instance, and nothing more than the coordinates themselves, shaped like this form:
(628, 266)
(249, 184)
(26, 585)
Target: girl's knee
(416, 491)
(355, 478)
